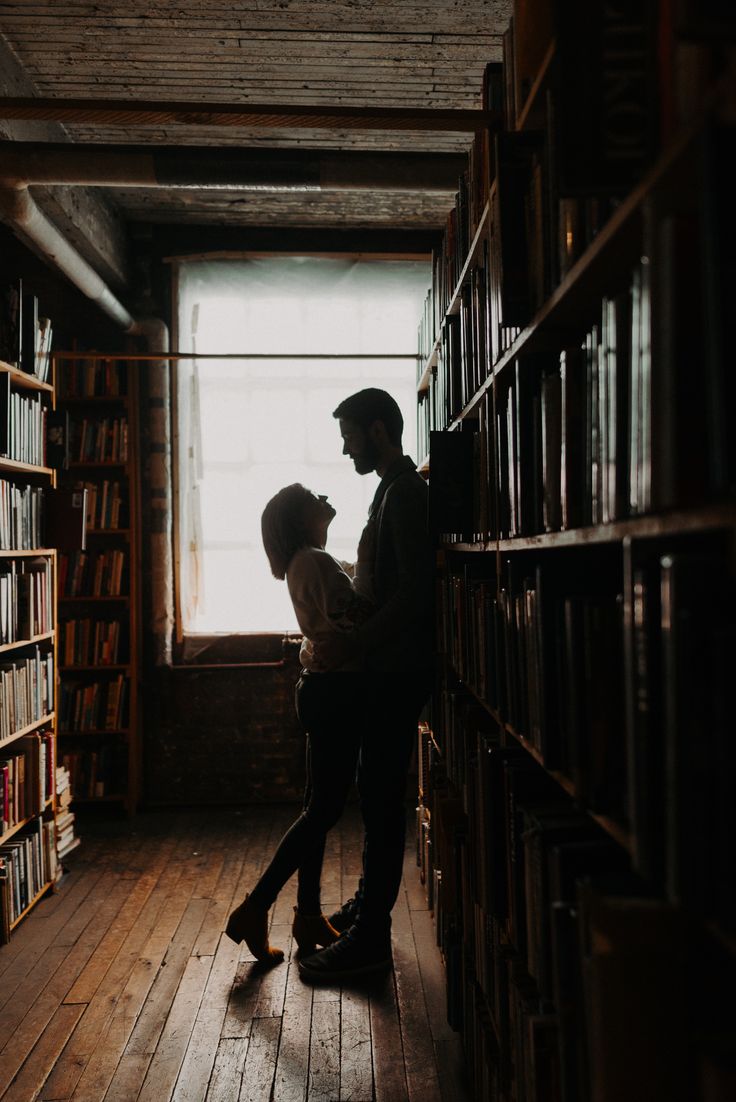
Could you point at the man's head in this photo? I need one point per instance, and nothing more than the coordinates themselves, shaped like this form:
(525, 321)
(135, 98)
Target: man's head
(371, 426)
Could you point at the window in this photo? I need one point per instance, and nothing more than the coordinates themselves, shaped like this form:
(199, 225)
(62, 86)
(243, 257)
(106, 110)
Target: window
(247, 427)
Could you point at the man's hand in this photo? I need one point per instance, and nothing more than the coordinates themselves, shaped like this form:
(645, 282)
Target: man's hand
(333, 651)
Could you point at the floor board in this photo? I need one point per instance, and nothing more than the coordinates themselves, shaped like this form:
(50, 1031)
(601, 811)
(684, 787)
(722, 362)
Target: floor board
(121, 987)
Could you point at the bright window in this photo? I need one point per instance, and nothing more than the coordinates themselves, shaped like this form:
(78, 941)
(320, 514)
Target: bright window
(247, 427)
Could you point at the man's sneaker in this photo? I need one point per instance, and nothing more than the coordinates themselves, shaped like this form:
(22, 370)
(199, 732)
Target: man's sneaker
(344, 918)
(351, 957)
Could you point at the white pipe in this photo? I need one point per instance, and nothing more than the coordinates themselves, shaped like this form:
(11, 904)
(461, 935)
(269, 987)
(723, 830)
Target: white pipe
(19, 209)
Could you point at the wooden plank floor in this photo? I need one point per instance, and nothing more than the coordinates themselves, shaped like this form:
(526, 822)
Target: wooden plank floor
(122, 986)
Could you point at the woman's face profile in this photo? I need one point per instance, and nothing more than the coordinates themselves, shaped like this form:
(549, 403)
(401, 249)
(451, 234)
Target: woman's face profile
(318, 515)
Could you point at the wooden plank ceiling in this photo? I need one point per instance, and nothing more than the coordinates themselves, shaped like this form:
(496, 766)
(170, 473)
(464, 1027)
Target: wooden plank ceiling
(411, 54)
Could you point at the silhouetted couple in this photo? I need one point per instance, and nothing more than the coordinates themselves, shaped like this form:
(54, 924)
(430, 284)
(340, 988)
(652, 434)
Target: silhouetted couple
(367, 668)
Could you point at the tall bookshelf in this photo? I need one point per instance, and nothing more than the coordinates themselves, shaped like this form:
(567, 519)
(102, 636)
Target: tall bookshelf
(576, 822)
(28, 859)
(99, 620)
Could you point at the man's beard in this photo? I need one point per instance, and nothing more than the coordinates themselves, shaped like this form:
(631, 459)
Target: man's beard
(367, 461)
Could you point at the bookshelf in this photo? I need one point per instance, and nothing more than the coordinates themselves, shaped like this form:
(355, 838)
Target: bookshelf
(28, 852)
(99, 621)
(575, 824)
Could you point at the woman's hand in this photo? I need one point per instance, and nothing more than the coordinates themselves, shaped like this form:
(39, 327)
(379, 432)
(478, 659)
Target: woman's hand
(333, 651)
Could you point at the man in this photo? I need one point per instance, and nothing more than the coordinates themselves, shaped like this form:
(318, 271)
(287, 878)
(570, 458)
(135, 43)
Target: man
(396, 646)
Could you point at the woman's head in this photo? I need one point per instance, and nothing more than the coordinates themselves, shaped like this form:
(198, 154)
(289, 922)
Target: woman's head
(295, 517)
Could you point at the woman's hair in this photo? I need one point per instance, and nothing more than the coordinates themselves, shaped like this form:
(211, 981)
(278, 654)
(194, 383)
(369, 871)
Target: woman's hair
(283, 527)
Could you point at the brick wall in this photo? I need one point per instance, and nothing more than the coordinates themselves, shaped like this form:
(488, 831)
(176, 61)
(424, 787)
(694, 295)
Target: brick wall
(222, 736)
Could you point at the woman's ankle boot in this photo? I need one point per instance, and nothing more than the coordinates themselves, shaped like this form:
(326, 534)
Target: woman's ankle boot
(249, 923)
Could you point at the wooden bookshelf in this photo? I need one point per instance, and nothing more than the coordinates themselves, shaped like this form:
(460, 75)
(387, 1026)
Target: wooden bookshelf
(28, 853)
(576, 771)
(100, 738)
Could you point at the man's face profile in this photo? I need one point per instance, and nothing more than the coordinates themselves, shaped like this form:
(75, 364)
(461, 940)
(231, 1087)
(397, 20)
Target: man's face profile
(359, 446)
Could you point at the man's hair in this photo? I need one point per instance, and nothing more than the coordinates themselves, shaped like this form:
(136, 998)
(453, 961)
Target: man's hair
(282, 527)
(371, 405)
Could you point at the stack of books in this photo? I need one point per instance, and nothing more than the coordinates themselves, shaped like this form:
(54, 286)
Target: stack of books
(66, 840)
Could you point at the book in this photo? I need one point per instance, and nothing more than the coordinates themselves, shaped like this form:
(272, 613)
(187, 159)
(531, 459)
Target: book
(29, 334)
(718, 276)
(451, 481)
(4, 413)
(697, 658)
(65, 512)
(636, 1006)
(606, 88)
(551, 448)
(572, 453)
(515, 155)
(11, 297)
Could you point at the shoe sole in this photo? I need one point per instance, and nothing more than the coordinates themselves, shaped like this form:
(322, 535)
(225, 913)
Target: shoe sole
(310, 975)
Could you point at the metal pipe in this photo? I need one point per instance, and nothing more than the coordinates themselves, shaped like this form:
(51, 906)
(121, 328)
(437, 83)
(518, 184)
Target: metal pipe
(18, 207)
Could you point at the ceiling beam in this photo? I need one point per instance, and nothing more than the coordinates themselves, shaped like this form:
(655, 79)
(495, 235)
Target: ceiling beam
(34, 163)
(129, 113)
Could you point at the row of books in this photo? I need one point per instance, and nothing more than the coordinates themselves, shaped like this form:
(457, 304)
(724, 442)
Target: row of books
(558, 957)
(92, 379)
(587, 436)
(99, 440)
(620, 691)
(96, 706)
(91, 642)
(28, 864)
(21, 513)
(94, 774)
(26, 692)
(513, 273)
(106, 505)
(92, 573)
(22, 425)
(26, 772)
(26, 599)
(25, 337)
(463, 353)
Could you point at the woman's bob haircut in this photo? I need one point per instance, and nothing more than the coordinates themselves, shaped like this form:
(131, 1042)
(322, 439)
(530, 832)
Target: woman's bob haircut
(283, 527)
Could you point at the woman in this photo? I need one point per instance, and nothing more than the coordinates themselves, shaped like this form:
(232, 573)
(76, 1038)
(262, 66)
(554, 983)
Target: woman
(294, 527)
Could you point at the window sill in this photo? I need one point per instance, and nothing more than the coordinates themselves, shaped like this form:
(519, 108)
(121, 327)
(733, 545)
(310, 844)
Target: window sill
(241, 650)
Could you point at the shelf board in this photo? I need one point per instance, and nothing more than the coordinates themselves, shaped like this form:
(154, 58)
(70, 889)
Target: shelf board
(609, 825)
(32, 553)
(117, 797)
(97, 464)
(47, 719)
(18, 826)
(22, 380)
(648, 526)
(26, 642)
(32, 904)
(96, 732)
(537, 87)
(14, 466)
(95, 668)
(24, 822)
(614, 829)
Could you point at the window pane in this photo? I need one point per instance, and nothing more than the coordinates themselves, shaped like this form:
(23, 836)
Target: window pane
(248, 427)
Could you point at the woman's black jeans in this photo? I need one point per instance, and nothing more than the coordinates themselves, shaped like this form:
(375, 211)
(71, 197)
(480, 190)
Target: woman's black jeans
(328, 705)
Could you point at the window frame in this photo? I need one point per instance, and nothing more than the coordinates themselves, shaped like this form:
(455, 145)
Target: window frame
(244, 648)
